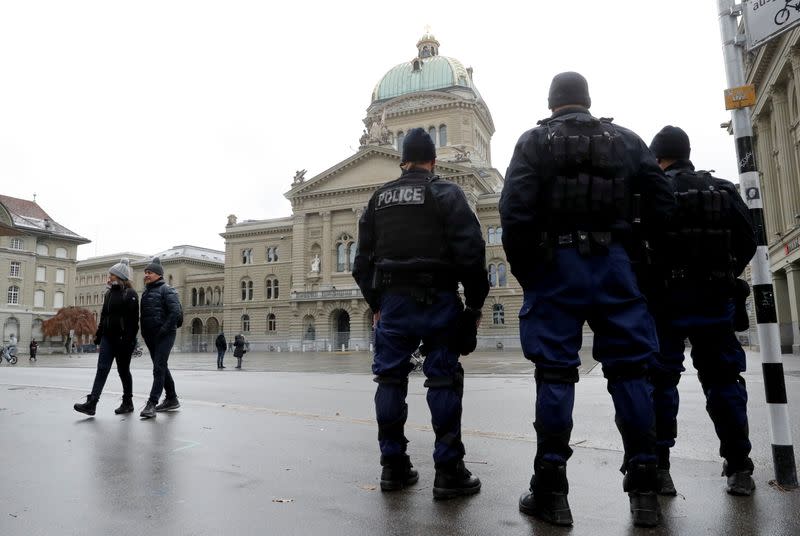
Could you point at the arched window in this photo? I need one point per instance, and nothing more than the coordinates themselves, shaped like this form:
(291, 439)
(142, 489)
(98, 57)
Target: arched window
(201, 297)
(309, 330)
(209, 296)
(271, 323)
(272, 289)
(498, 235)
(502, 279)
(442, 135)
(269, 289)
(490, 237)
(41, 249)
(400, 138)
(61, 253)
(13, 295)
(194, 297)
(245, 323)
(247, 290)
(432, 133)
(345, 253)
(498, 314)
(492, 275)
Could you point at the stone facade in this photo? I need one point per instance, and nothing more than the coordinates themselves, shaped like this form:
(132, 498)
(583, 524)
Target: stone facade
(38, 263)
(775, 71)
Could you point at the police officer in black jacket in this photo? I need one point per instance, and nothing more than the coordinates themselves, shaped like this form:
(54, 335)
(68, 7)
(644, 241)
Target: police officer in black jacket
(574, 190)
(709, 245)
(418, 238)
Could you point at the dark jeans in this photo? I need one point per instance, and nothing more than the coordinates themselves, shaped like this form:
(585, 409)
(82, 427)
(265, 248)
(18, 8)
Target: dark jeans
(220, 355)
(110, 350)
(159, 348)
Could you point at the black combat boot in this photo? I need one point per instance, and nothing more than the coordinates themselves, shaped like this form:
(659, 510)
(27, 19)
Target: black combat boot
(453, 479)
(397, 472)
(547, 498)
(149, 411)
(238, 363)
(740, 478)
(641, 483)
(168, 404)
(87, 407)
(664, 484)
(126, 406)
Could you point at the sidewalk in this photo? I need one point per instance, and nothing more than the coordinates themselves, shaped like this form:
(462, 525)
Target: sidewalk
(294, 452)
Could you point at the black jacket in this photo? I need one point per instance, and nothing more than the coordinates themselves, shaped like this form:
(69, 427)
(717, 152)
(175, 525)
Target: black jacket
(529, 172)
(160, 309)
(239, 346)
(221, 343)
(465, 254)
(119, 318)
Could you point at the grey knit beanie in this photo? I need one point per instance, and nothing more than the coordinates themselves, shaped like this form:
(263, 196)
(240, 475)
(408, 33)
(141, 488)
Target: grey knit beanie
(155, 267)
(122, 269)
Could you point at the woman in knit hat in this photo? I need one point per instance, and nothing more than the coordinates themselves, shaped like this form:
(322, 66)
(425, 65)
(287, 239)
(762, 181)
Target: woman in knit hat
(116, 337)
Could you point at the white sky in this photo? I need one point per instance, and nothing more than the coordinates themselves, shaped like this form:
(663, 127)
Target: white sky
(142, 125)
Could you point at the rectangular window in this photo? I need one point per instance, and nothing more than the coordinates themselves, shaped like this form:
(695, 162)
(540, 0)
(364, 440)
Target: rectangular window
(58, 300)
(38, 298)
(60, 275)
(41, 272)
(16, 269)
(13, 295)
(16, 243)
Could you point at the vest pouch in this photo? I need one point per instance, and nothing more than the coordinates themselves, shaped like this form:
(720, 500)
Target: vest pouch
(602, 156)
(558, 196)
(582, 195)
(621, 200)
(558, 148)
(578, 149)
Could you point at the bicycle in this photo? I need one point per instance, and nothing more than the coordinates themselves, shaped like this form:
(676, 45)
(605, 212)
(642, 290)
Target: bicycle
(137, 352)
(783, 14)
(417, 359)
(9, 353)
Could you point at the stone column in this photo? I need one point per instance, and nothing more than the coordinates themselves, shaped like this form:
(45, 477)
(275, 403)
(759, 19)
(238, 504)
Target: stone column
(785, 148)
(769, 178)
(299, 247)
(326, 266)
(781, 287)
(793, 297)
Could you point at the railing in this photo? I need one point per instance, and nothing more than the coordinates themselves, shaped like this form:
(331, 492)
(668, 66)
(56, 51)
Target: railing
(333, 294)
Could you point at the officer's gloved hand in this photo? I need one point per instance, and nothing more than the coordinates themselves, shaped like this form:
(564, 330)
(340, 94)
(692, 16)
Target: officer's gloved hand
(466, 333)
(97, 340)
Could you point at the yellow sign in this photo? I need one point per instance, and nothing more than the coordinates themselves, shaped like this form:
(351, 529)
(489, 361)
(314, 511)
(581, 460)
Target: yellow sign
(740, 97)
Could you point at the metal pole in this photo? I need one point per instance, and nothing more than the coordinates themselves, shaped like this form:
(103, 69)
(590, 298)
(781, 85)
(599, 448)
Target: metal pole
(763, 292)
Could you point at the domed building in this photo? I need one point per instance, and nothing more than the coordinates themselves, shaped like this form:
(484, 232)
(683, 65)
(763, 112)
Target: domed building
(288, 281)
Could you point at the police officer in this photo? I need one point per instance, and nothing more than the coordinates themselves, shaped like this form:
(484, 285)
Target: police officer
(418, 238)
(574, 189)
(709, 245)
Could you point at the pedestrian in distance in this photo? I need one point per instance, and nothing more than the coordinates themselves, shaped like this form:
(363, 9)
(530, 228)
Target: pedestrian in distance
(418, 239)
(161, 315)
(222, 346)
(575, 189)
(115, 337)
(239, 349)
(695, 294)
(33, 348)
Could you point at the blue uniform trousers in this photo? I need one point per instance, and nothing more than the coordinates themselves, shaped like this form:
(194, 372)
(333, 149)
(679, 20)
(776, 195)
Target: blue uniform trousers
(404, 323)
(719, 360)
(601, 290)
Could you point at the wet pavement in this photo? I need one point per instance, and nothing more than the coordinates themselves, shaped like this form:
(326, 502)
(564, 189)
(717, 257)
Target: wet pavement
(288, 446)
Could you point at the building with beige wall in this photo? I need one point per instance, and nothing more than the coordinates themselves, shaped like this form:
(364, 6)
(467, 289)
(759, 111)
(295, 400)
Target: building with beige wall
(774, 69)
(38, 264)
(289, 281)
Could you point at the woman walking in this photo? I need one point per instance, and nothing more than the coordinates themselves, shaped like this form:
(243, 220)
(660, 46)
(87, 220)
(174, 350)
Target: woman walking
(116, 336)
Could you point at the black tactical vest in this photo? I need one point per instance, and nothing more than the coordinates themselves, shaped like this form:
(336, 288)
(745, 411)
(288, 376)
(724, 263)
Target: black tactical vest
(699, 244)
(407, 222)
(586, 189)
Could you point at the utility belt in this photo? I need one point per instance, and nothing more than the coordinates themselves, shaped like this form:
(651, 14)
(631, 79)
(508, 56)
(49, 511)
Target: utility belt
(422, 286)
(586, 242)
(678, 275)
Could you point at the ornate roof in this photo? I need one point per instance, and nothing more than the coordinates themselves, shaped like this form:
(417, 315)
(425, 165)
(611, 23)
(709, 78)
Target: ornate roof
(428, 71)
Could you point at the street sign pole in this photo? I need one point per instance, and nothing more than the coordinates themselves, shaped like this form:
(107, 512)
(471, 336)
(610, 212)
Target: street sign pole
(763, 292)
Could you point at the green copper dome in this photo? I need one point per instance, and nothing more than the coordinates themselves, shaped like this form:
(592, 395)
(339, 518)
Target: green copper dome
(427, 72)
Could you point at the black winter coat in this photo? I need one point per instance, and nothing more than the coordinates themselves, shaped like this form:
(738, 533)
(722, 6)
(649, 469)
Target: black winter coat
(119, 318)
(160, 309)
(221, 343)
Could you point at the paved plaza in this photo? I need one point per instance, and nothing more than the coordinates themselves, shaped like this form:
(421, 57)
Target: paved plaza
(288, 446)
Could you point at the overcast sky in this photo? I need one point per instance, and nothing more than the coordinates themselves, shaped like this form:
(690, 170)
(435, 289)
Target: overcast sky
(142, 125)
